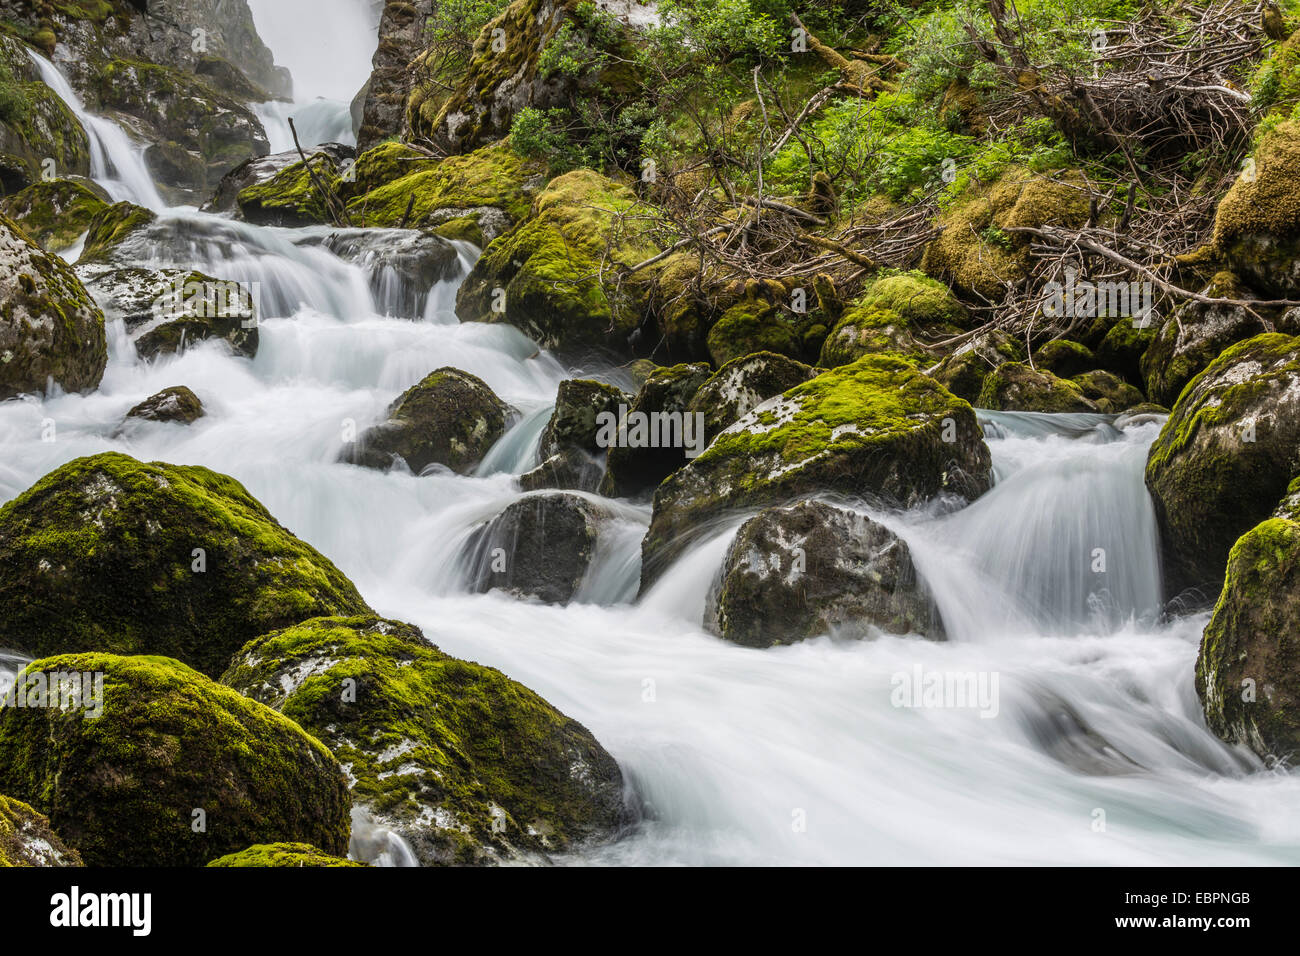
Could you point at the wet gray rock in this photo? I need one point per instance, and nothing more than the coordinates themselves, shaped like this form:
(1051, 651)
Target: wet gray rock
(810, 569)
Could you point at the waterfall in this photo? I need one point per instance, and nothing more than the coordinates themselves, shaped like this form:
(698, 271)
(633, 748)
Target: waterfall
(116, 163)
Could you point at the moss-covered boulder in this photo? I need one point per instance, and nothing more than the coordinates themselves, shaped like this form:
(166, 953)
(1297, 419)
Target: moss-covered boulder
(110, 226)
(1225, 457)
(570, 450)
(156, 765)
(752, 325)
(1064, 358)
(36, 127)
(170, 310)
(462, 762)
(262, 169)
(1194, 336)
(283, 854)
(1122, 347)
(963, 372)
(177, 404)
(449, 418)
(56, 213)
(27, 840)
(50, 329)
(1257, 224)
(1110, 393)
(541, 547)
(1015, 387)
(1248, 669)
(475, 197)
(977, 251)
(544, 276)
(811, 569)
(877, 428)
(742, 385)
(292, 197)
(919, 299)
(659, 434)
(111, 554)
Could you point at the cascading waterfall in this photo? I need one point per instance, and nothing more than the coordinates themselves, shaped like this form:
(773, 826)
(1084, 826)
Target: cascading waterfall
(326, 44)
(802, 754)
(116, 163)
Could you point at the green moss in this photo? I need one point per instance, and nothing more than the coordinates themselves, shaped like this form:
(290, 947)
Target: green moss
(50, 328)
(1064, 358)
(54, 214)
(110, 226)
(27, 840)
(122, 786)
(1108, 391)
(1250, 642)
(290, 197)
(876, 428)
(100, 555)
(282, 854)
(463, 761)
(978, 253)
(583, 227)
(750, 326)
(920, 300)
(1224, 457)
(1014, 387)
(458, 187)
(1257, 224)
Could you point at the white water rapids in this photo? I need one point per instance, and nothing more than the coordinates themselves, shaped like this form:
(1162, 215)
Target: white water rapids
(1097, 753)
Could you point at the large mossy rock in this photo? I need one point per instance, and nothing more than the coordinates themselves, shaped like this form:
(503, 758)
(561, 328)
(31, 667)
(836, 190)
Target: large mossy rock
(110, 227)
(36, 127)
(812, 569)
(1106, 390)
(541, 547)
(1121, 349)
(570, 450)
(111, 554)
(27, 840)
(1194, 336)
(170, 310)
(1015, 387)
(475, 197)
(887, 318)
(877, 428)
(639, 461)
(462, 762)
(282, 854)
(543, 277)
(50, 328)
(1225, 457)
(174, 770)
(978, 253)
(262, 169)
(56, 213)
(449, 418)
(752, 325)
(291, 197)
(1257, 224)
(1248, 670)
(743, 384)
(963, 372)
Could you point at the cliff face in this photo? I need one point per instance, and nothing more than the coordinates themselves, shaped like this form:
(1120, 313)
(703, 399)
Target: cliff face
(401, 39)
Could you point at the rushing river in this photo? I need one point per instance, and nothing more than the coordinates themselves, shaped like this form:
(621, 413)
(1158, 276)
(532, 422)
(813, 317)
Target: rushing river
(1093, 752)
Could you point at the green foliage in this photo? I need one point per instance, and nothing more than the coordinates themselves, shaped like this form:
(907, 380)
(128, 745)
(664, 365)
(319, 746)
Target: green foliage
(13, 99)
